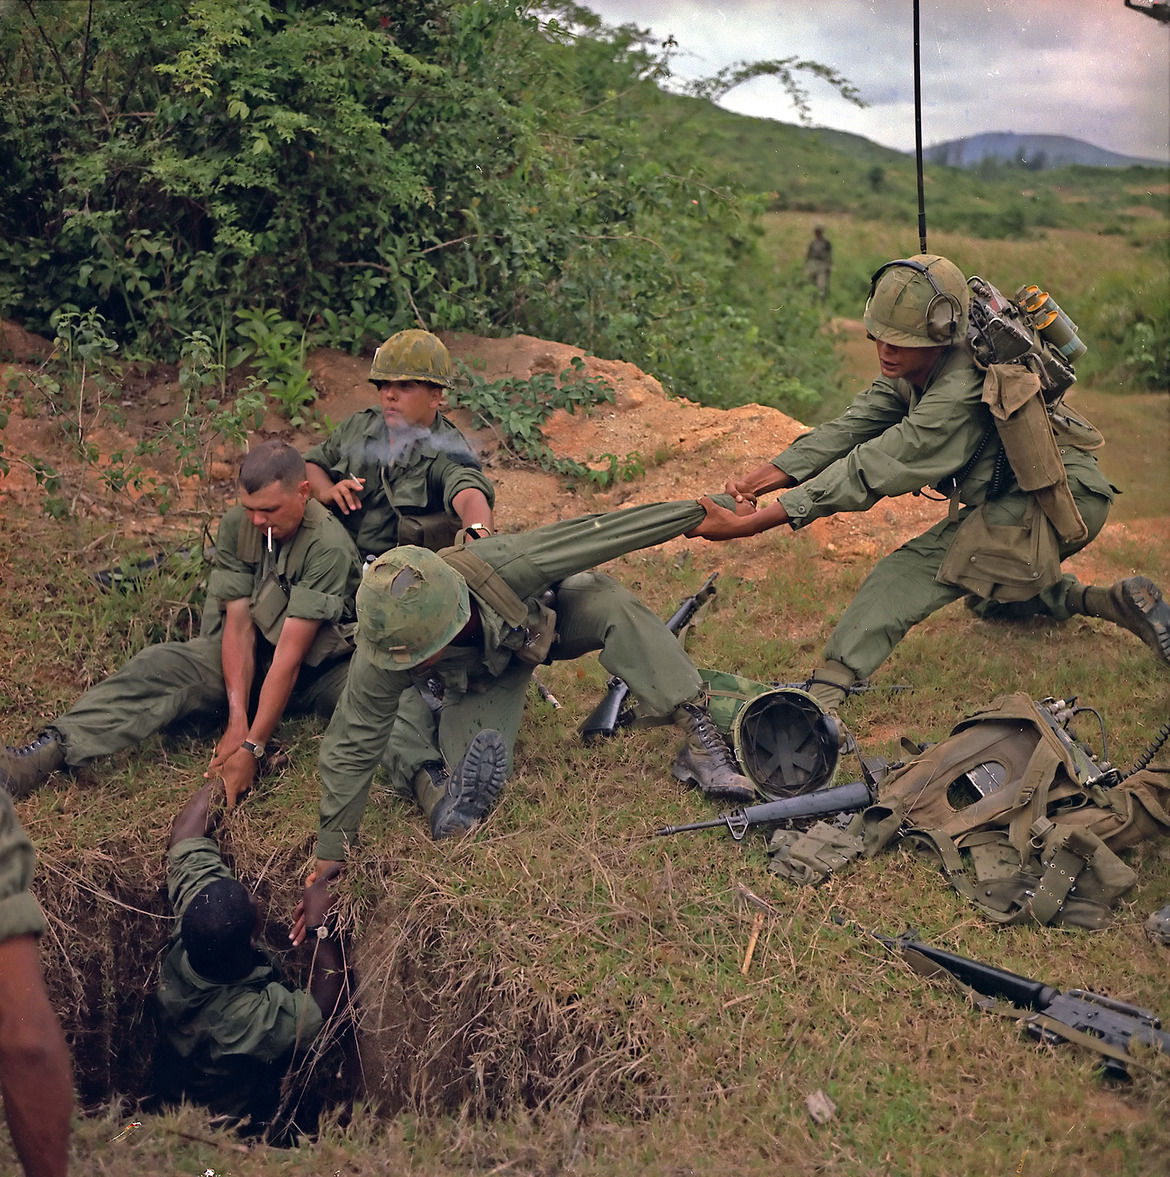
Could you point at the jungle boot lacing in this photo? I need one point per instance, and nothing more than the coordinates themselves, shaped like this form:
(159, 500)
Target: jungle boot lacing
(705, 760)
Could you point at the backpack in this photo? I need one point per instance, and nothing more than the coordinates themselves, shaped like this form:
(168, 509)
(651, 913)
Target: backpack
(1024, 822)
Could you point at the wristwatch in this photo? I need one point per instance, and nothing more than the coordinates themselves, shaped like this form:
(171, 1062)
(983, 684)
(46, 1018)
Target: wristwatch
(479, 530)
(257, 750)
(322, 931)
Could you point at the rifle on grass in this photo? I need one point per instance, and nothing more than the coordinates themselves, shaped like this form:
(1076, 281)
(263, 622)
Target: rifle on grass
(841, 799)
(1103, 1024)
(612, 712)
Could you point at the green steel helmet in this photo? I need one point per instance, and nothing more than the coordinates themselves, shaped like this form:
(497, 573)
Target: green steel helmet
(918, 301)
(410, 604)
(413, 355)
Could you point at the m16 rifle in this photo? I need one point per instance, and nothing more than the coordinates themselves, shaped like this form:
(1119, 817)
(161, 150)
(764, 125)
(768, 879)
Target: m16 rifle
(840, 799)
(612, 712)
(1100, 1023)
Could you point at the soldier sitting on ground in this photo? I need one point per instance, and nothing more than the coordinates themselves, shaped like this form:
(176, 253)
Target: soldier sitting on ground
(36, 1080)
(229, 1028)
(283, 580)
(446, 650)
(925, 422)
(403, 473)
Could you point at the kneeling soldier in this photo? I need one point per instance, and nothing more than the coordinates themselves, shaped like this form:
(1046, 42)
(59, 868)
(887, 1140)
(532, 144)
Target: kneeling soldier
(446, 648)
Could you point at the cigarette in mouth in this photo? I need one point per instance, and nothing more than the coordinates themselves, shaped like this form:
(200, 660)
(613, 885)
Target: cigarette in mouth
(270, 541)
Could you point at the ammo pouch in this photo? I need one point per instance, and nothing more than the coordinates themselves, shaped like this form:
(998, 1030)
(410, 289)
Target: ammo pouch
(1003, 562)
(435, 531)
(1012, 393)
(533, 626)
(1015, 562)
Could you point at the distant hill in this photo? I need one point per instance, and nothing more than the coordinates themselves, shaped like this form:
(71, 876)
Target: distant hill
(1035, 152)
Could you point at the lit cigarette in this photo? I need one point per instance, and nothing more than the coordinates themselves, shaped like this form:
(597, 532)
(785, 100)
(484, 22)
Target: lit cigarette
(270, 541)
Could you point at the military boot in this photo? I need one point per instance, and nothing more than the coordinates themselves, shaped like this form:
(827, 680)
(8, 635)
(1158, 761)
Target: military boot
(1135, 604)
(829, 686)
(705, 759)
(24, 769)
(1158, 926)
(457, 801)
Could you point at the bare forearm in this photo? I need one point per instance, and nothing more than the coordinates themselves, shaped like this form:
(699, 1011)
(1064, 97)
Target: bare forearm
(760, 481)
(239, 661)
(35, 1072)
(471, 506)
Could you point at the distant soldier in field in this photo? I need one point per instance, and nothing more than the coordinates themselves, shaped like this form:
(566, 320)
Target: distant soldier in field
(36, 1078)
(401, 472)
(277, 636)
(924, 422)
(818, 261)
(229, 1027)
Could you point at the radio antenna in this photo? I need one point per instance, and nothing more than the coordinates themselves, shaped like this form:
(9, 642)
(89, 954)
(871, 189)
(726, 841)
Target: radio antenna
(918, 136)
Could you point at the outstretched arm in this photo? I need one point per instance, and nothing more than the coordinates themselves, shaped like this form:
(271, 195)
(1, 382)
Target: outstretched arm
(239, 672)
(36, 1077)
(327, 981)
(762, 479)
(720, 524)
(236, 765)
(199, 816)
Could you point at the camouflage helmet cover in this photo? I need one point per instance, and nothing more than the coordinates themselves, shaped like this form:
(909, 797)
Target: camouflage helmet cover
(413, 355)
(919, 301)
(410, 604)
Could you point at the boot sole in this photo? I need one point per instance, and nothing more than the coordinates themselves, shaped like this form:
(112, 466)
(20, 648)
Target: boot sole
(475, 786)
(1145, 598)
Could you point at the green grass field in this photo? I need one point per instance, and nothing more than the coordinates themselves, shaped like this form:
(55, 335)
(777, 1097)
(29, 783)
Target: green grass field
(562, 993)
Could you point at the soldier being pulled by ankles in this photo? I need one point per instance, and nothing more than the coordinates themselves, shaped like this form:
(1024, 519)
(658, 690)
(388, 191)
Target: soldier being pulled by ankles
(446, 648)
(994, 435)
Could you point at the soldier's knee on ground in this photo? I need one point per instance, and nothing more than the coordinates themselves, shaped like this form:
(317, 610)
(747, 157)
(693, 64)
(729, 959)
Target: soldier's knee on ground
(459, 801)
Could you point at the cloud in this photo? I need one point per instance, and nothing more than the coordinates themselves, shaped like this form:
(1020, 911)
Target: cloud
(1093, 70)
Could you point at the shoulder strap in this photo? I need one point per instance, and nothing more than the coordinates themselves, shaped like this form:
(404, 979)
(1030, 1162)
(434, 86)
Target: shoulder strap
(487, 584)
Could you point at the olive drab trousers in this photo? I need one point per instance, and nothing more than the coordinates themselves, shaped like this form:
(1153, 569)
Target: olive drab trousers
(163, 683)
(594, 612)
(902, 590)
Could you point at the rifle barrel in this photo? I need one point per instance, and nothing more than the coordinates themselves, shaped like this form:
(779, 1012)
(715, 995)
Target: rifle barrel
(985, 978)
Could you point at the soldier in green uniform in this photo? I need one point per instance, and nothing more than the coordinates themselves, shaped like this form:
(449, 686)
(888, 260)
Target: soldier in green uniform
(446, 650)
(818, 261)
(283, 580)
(229, 1027)
(36, 1079)
(403, 473)
(923, 422)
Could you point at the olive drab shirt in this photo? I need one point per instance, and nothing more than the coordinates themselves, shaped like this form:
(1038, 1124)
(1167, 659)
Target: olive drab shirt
(423, 479)
(529, 563)
(20, 914)
(312, 576)
(226, 1034)
(894, 440)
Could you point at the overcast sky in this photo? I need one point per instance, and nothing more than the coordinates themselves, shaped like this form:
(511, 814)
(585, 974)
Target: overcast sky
(1092, 69)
